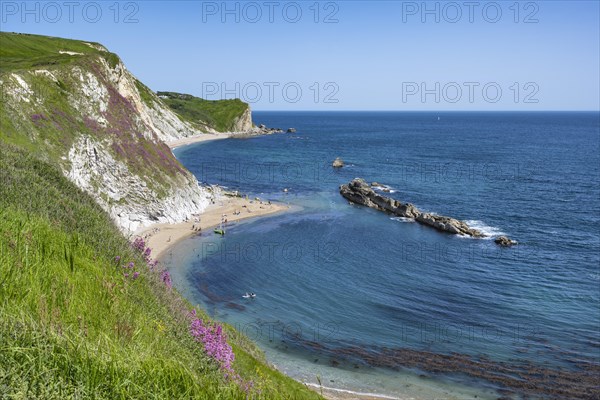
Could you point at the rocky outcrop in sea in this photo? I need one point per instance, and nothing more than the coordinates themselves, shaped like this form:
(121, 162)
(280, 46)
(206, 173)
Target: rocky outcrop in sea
(337, 163)
(504, 241)
(360, 192)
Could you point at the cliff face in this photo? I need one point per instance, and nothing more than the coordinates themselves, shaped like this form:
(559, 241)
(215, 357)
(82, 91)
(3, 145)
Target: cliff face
(76, 104)
(243, 123)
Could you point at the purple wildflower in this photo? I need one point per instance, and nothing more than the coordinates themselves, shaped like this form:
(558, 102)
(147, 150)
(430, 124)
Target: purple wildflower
(165, 276)
(126, 275)
(147, 253)
(38, 117)
(130, 265)
(214, 341)
(139, 244)
(135, 275)
(117, 259)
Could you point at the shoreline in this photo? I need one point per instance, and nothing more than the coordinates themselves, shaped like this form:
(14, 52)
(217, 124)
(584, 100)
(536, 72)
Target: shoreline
(331, 393)
(162, 237)
(203, 137)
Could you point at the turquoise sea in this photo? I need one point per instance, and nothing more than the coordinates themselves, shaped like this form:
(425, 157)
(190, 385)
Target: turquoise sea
(361, 301)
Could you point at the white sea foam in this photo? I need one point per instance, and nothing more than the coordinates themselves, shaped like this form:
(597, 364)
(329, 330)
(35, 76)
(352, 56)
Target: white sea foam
(379, 396)
(381, 187)
(489, 231)
(402, 219)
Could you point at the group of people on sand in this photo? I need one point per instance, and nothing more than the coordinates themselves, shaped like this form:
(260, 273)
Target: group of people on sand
(197, 228)
(153, 232)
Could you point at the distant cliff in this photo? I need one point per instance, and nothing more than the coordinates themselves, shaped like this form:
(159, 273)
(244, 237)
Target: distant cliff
(223, 115)
(75, 103)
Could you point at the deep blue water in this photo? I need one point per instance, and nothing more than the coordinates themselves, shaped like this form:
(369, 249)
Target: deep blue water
(343, 275)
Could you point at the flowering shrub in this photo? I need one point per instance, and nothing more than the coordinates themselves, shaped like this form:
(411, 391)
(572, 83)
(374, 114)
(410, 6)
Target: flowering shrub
(139, 244)
(130, 267)
(165, 276)
(214, 341)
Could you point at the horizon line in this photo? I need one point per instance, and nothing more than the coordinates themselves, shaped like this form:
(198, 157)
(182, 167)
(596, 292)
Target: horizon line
(428, 111)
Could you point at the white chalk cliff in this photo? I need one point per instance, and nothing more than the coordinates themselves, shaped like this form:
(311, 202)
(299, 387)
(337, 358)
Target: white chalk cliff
(107, 131)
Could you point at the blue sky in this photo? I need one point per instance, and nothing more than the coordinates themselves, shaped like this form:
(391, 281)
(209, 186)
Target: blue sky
(345, 55)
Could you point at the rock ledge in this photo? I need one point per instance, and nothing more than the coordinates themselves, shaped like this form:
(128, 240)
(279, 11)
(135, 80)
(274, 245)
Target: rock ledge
(359, 192)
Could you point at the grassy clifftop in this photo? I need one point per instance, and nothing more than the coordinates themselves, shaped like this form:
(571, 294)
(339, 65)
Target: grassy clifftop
(77, 324)
(23, 52)
(223, 115)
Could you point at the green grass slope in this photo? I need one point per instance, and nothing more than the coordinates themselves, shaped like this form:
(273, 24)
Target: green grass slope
(72, 325)
(219, 114)
(23, 52)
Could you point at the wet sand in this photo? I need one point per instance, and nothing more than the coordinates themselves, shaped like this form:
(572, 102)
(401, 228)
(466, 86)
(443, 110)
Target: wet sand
(341, 394)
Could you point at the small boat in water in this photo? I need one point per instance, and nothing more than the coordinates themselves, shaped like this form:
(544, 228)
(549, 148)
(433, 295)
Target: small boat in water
(220, 230)
(249, 295)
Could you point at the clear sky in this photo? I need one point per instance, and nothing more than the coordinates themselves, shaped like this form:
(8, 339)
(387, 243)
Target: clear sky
(345, 55)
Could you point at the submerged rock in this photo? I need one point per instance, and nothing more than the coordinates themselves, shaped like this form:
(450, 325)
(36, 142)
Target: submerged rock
(504, 241)
(338, 163)
(359, 192)
(291, 130)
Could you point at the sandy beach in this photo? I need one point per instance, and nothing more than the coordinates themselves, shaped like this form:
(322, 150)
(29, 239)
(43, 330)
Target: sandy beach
(160, 237)
(203, 137)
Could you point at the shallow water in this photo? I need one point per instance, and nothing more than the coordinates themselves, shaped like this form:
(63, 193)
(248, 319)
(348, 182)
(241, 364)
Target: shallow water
(341, 287)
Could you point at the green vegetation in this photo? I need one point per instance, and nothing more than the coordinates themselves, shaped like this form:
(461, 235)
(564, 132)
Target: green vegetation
(220, 114)
(73, 326)
(20, 51)
(145, 93)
